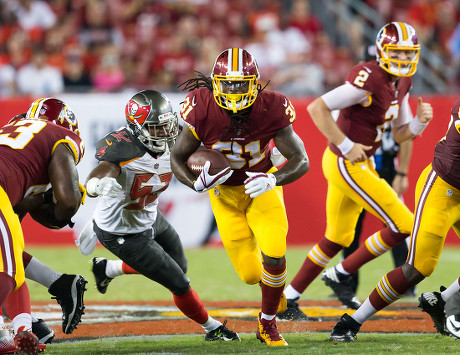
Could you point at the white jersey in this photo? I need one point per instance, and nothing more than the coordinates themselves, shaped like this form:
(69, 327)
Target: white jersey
(143, 177)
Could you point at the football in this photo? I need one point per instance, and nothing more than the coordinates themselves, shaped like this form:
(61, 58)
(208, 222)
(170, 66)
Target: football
(197, 160)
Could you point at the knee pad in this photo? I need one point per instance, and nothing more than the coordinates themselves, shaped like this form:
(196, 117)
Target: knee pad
(250, 269)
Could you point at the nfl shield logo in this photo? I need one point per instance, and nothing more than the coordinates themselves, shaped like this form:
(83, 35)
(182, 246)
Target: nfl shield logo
(156, 166)
(216, 192)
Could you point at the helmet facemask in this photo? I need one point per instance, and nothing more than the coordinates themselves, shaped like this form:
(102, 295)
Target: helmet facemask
(152, 120)
(234, 79)
(159, 137)
(397, 66)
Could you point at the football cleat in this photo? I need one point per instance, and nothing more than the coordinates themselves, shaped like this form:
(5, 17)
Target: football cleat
(7, 345)
(221, 333)
(342, 286)
(453, 325)
(27, 342)
(268, 333)
(98, 266)
(433, 304)
(345, 329)
(68, 291)
(43, 331)
(294, 313)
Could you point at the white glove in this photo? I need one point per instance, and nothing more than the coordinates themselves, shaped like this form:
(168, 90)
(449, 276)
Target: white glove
(276, 157)
(258, 183)
(87, 239)
(107, 186)
(205, 182)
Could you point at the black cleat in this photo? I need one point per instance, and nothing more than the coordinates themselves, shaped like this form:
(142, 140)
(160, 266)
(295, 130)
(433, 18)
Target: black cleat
(68, 291)
(345, 329)
(221, 333)
(293, 312)
(342, 287)
(43, 331)
(98, 269)
(433, 304)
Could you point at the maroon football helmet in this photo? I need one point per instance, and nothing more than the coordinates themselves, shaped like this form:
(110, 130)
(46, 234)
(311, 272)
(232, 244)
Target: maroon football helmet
(398, 37)
(234, 79)
(53, 110)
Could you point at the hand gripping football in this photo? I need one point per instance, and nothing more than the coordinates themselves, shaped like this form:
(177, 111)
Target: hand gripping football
(197, 160)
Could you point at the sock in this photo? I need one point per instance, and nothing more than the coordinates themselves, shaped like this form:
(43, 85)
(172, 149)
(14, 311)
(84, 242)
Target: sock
(291, 293)
(451, 290)
(23, 320)
(128, 269)
(114, 268)
(317, 259)
(374, 246)
(191, 305)
(267, 316)
(364, 312)
(34, 319)
(8, 285)
(18, 302)
(340, 269)
(26, 257)
(391, 288)
(211, 324)
(272, 285)
(41, 273)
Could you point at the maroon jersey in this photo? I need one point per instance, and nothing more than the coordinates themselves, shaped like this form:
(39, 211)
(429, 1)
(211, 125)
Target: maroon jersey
(245, 144)
(26, 147)
(366, 124)
(446, 161)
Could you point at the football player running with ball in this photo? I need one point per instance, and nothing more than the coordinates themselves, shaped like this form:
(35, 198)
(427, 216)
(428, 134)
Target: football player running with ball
(134, 168)
(231, 113)
(375, 95)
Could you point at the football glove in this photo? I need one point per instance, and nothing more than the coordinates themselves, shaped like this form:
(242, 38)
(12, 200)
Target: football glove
(205, 182)
(107, 186)
(258, 183)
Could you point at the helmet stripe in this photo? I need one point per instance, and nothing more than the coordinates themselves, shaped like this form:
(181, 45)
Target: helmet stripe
(35, 107)
(235, 59)
(402, 31)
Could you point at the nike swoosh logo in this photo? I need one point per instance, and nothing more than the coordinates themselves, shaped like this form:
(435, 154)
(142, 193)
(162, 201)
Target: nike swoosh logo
(193, 101)
(109, 143)
(285, 102)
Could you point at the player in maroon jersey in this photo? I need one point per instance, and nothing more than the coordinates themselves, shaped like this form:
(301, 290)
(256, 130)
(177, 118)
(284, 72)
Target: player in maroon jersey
(231, 113)
(437, 210)
(375, 95)
(38, 150)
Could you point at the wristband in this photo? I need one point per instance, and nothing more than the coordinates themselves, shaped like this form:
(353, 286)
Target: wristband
(416, 127)
(401, 174)
(91, 186)
(346, 146)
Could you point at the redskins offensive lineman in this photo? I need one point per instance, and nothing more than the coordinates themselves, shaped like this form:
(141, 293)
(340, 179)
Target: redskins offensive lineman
(375, 94)
(37, 149)
(231, 113)
(133, 170)
(437, 210)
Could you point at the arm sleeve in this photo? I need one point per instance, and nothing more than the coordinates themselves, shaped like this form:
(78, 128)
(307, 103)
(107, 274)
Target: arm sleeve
(344, 96)
(404, 114)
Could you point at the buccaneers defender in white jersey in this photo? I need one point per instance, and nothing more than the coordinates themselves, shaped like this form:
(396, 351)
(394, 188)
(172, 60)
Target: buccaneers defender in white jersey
(133, 170)
(229, 112)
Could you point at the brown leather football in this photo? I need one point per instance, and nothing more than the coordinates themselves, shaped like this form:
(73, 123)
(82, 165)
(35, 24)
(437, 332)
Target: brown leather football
(197, 160)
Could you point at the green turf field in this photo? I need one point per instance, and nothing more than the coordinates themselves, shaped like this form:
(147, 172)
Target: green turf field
(214, 279)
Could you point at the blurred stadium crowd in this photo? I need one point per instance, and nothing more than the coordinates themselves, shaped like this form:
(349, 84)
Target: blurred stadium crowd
(304, 47)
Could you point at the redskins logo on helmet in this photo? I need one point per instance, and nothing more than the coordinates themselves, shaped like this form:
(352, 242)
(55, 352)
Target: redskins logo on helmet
(398, 49)
(55, 111)
(234, 79)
